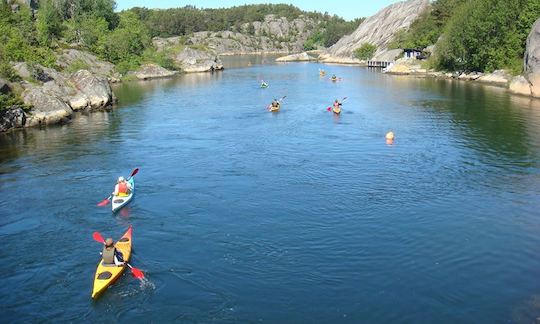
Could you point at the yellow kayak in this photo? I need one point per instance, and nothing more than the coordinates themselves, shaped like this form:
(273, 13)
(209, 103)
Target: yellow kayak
(336, 110)
(271, 108)
(106, 275)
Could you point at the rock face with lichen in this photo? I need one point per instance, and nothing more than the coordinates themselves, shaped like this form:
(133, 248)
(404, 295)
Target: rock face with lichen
(53, 96)
(378, 30)
(271, 35)
(301, 57)
(152, 71)
(532, 59)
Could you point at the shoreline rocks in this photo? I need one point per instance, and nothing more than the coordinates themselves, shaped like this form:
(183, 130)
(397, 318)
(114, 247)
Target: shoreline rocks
(152, 71)
(300, 57)
(531, 62)
(191, 60)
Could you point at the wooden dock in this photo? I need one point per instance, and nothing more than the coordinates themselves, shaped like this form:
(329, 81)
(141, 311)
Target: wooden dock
(379, 64)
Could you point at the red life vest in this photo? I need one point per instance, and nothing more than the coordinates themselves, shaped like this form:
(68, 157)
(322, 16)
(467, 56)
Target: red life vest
(122, 188)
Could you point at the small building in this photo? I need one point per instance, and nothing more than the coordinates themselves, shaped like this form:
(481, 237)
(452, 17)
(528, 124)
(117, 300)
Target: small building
(413, 53)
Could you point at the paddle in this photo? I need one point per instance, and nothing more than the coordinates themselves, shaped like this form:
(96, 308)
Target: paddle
(342, 100)
(105, 201)
(279, 101)
(136, 272)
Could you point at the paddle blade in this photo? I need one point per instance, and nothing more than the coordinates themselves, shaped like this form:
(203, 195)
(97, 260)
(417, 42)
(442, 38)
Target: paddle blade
(134, 172)
(329, 108)
(137, 273)
(97, 237)
(104, 202)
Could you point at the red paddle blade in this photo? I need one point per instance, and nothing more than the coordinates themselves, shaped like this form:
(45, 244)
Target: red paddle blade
(137, 273)
(134, 172)
(97, 237)
(329, 108)
(104, 202)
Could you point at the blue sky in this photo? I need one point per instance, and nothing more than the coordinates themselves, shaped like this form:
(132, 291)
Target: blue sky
(348, 9)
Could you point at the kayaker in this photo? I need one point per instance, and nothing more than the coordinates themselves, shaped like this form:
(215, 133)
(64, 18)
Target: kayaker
(334, 77)
(337, 106)
(111, 256)
(263, 84)
(122, 188)
(275, 103)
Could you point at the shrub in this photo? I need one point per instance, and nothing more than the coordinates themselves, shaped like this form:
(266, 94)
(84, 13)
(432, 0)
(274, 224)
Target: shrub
(365, 52)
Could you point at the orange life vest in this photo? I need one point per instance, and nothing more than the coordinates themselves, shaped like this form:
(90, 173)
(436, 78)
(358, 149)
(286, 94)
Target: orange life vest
(122, 188)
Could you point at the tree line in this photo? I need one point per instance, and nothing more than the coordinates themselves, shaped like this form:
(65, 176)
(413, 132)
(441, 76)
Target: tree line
(124, 38)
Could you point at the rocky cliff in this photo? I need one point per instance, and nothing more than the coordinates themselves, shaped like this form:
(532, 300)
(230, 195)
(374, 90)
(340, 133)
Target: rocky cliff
(377, 30)
(273, 34)
(186, 58)
(532, 59)
(53, 95)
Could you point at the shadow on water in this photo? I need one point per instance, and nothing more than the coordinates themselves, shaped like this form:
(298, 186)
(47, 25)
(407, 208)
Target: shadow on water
(493, 122)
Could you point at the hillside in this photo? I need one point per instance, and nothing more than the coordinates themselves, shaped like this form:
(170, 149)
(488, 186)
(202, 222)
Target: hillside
(378, 30)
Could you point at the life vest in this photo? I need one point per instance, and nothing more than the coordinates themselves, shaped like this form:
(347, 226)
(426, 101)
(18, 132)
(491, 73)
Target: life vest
(123, 189)
(108, 255)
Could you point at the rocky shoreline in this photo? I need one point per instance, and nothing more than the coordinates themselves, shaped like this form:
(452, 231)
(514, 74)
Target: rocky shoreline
(81, 82)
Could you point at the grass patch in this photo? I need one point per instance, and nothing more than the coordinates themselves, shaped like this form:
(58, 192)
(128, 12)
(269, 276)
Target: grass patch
(77, 65)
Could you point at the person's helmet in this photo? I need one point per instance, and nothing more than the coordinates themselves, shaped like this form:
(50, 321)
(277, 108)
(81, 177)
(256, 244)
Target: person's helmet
(121, 179)
(109, 242)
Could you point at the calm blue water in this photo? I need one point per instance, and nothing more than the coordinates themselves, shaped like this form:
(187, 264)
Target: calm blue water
(246, 216)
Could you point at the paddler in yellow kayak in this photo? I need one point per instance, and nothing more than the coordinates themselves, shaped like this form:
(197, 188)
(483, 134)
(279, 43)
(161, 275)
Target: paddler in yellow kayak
(274, 106)
(337, 107)
(111, 256)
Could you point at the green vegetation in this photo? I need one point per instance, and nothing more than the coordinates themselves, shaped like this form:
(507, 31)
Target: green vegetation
(330, 31)
(428, 27)
(365, 52)
(477, 35)
(485, 35)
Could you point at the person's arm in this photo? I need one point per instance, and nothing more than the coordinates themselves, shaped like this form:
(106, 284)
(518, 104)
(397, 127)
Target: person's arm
(118, 259)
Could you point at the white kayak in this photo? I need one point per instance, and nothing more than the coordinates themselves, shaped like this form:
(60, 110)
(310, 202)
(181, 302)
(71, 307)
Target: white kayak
(118, 202)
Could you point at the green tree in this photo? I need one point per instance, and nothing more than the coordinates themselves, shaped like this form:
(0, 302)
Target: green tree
(365, 52)
(49, 22)
(484, 35)
(127, 42)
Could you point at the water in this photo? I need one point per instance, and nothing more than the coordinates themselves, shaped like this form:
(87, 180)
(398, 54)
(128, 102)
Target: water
(246, 216)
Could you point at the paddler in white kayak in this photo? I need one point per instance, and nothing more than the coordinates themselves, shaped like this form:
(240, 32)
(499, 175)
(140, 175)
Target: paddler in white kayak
(111, 256)
(122, 188)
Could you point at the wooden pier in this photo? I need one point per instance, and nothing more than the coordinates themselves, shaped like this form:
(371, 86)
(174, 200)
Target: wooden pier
(379, 64)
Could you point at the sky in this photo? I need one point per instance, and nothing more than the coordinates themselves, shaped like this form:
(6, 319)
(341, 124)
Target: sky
(348, 9)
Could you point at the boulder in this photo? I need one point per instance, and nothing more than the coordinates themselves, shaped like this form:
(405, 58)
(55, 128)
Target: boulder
(151, 71)
(497, 77)
(4, 86)
(532, 59)
(405, 66)
(520, 85)
(70, 58)
(47, 108)
(191, 60)
(10, 118)
(96, 88)
(23, 70)
(300, 57)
